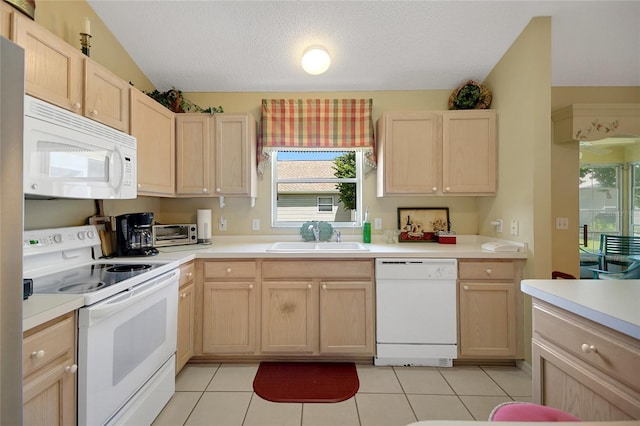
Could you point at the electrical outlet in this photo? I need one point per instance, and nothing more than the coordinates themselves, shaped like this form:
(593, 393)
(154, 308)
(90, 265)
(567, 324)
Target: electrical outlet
(515, 227)
(255, 224)
(377, 223)
(222, 224)
(562, 223)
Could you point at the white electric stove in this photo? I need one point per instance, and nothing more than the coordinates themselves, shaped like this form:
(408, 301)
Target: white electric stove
(126, 328)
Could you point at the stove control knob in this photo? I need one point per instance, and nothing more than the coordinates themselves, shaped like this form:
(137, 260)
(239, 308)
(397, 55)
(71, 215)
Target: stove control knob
(57, 238)
(91, 235)
(81, 235)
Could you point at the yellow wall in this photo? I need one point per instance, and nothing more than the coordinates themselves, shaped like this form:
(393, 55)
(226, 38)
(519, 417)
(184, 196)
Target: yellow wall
(521, 81)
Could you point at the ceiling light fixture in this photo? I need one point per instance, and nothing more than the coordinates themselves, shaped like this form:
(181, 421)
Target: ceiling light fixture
(315, 60)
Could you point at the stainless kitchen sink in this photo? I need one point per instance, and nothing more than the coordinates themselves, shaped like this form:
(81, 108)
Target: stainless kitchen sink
(314, 247)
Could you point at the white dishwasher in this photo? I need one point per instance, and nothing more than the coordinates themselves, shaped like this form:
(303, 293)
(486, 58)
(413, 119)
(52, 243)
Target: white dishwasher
(416, 312)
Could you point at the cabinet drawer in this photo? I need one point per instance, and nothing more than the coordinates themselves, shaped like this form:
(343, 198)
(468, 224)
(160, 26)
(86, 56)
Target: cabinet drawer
(612, 352)
(328, 269)
(47, 342)
(186, 273)
(486, 270)
(230, 269)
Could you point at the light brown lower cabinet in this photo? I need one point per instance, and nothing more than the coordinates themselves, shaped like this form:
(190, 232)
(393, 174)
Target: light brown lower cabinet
(319, 307)
(266, 308)
(186, 316)
(289, 317)
(584, 368)
(490, 309)
(49, 373)
(230, 295)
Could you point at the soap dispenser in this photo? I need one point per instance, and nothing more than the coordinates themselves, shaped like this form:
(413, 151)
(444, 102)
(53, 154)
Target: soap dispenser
(366, 228)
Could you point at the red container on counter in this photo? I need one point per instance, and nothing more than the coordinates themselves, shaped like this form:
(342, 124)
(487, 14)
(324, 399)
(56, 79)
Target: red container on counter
(446, 239)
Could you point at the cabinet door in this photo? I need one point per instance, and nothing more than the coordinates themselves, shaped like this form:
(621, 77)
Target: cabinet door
(409, 153)
(154, 128)
(194, 154)
(186, 309)
(53, 68)
(106, 96)
(487, 319)
(229, 318)
(566, 383)
(235, 155)
(48, 366)
(469, 152)
(346, 317)
(289, 317)
(50, 398)
(5, 20)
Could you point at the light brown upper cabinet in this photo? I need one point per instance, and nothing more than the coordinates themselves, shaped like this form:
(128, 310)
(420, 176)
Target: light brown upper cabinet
(106, 96)
(437, 153)
(235, 155)
(53, 68)
(409, 153)
(5, 20)
(469, 151)
(154, 128)
(194, 155)
(59, 73)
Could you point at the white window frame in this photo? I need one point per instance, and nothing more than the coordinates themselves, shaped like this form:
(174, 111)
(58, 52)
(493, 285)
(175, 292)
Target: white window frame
(296, 224)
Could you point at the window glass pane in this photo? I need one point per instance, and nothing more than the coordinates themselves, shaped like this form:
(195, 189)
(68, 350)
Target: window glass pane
(317, 185)
(600, 202)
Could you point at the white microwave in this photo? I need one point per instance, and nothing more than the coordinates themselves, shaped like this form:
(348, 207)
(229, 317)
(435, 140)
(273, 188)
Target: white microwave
(69, 156)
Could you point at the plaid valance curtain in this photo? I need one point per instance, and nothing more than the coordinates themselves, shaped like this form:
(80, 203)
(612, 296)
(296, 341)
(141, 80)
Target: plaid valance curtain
(316, 124)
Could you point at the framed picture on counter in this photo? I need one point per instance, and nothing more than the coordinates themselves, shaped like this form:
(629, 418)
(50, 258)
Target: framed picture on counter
(422, 224)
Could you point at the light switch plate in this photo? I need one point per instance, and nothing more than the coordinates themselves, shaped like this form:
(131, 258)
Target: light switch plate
(377, 223)
(255, 224)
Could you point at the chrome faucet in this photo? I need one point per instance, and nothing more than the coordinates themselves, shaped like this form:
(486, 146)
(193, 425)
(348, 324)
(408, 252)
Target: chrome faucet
(316, 230)
(337, 235)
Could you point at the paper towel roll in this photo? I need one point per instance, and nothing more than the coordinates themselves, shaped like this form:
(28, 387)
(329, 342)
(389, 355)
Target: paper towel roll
(204, 226)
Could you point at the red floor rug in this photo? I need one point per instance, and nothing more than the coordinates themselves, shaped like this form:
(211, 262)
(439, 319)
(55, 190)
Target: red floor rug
(306, 381)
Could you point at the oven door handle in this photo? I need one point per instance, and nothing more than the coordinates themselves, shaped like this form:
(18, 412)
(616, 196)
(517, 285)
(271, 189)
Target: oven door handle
(104, 310)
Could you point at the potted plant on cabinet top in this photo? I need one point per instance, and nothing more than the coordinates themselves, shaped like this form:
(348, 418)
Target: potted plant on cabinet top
(174, 101)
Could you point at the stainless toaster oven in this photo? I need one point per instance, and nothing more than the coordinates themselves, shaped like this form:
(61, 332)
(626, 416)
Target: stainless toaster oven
(174, 235)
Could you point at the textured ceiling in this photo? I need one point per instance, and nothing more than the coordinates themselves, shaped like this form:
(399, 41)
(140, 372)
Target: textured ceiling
(256, 46)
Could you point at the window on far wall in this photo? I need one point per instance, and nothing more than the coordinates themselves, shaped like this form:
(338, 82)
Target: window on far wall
(600, 200)
(316, 185)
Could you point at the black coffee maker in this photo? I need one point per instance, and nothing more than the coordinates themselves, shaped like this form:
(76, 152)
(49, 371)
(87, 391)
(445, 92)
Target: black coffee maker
(133, 235)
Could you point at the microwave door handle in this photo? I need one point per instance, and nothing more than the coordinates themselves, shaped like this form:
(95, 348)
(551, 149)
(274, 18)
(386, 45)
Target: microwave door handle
(120, 158)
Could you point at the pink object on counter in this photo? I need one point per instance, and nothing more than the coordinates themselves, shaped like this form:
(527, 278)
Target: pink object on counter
(527, 412)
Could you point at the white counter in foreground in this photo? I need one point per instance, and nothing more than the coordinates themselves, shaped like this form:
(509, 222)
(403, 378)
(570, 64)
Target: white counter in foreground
(474, 423)
(612, 303)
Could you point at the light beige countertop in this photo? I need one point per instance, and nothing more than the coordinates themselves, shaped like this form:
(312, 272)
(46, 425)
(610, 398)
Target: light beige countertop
(612, 303)
(41, 308)
(467, 246)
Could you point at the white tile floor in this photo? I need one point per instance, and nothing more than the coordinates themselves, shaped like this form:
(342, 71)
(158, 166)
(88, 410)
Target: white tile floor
(222, 394)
